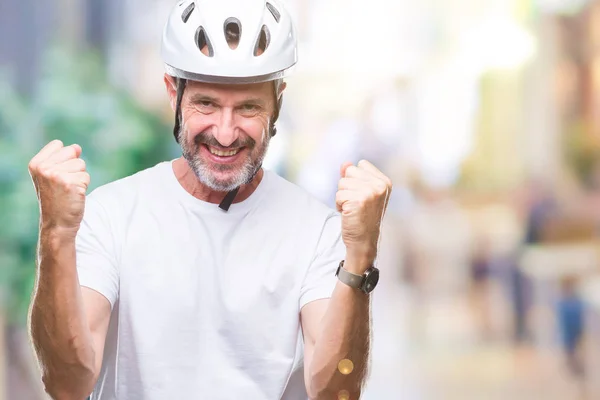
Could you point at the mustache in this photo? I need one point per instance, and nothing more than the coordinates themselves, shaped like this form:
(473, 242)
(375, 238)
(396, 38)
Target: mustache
(209, 140)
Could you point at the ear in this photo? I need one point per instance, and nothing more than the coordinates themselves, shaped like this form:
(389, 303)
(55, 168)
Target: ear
(171, 90)
(281, 89)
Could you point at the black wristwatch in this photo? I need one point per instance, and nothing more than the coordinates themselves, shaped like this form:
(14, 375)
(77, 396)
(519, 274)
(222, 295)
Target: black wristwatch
(365, 282)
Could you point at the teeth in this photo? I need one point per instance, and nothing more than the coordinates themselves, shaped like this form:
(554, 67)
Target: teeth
(223, 153)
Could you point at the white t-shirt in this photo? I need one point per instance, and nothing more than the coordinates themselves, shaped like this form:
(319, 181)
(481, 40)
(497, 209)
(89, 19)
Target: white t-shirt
(205, 303)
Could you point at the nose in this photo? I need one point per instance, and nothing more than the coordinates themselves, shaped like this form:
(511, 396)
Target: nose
(226, 132)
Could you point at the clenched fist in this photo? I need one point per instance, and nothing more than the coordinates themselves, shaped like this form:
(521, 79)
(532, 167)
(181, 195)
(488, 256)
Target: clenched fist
(362, 197)
(61, 182)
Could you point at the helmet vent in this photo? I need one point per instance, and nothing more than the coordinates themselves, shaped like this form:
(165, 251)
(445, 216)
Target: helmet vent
(274, 11)
(187, 12)
(233, 32)
(203, 42)
(263, 41)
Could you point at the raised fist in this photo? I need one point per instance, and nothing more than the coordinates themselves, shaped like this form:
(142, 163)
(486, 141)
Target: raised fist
(61, 182)
(363, 193)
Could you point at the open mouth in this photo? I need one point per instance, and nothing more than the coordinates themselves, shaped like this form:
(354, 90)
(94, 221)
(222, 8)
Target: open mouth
(221, 153)
(223, 156)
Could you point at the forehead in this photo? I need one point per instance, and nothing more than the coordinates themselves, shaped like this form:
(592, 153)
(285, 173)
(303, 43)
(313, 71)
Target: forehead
(262, 90)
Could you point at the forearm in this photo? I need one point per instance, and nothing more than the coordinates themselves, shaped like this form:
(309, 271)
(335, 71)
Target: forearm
(58, 326)
(345, 335)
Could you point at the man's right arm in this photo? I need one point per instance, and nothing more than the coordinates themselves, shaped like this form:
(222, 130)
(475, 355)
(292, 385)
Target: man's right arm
(68, 323)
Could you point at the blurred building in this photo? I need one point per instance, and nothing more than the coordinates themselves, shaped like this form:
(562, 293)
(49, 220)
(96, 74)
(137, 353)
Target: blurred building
(28, 24)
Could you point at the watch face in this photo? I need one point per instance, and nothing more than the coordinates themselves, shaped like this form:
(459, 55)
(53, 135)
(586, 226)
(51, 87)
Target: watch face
(371, 280)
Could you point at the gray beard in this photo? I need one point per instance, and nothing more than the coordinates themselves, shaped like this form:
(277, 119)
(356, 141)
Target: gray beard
(203, 169)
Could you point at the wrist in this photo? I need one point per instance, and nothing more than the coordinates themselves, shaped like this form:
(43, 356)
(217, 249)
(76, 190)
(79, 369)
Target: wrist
(365, 281)
(359, 262)
(57, 236)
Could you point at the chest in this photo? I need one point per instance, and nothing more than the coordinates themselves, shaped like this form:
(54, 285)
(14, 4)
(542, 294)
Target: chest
(193, 284)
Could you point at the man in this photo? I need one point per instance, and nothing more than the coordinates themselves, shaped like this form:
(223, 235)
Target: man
(146, 289)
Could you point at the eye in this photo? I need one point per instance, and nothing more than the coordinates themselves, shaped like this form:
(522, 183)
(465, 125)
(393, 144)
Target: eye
(205, 103)
(249, 107)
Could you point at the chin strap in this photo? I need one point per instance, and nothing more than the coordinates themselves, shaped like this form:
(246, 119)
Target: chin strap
(228, 200)
(230, 196)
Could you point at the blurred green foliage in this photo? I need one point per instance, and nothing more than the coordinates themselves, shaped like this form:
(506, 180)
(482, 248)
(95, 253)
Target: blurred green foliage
(73, 102)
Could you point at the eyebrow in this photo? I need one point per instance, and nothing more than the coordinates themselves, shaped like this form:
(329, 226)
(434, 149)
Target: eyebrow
(253, 100)
(201, 98)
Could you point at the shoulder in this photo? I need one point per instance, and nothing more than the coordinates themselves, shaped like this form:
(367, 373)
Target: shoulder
(119, 193)
(287, 197)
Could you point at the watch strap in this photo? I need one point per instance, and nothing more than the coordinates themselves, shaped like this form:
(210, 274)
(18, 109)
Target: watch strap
(349, 278)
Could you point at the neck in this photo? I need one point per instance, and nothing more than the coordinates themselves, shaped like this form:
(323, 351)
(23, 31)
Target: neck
(188, 180)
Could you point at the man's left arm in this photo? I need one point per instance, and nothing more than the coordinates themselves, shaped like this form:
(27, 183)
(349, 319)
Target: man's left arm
(337, 330)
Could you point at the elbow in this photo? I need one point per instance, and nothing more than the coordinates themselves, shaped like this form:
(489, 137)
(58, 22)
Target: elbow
(323, 386)
(59, 393)
(60, 387)
(318, 388)
(317, 384)
(58, 390)
(334, 393)
(72, 380)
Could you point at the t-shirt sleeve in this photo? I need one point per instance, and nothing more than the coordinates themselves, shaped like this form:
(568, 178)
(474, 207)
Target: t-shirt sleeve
(320, 279)
(95, 252)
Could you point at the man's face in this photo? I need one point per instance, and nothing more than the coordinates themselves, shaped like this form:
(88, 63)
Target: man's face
(225, 131)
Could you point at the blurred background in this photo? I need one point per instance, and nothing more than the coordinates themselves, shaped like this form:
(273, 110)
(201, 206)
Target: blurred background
(485, 113)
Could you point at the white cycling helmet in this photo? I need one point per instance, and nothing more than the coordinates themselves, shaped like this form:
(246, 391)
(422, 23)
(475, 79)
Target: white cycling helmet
(197, 41)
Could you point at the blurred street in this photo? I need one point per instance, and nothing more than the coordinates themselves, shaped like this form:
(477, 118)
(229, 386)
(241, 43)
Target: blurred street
(432, 350)
(459, 345)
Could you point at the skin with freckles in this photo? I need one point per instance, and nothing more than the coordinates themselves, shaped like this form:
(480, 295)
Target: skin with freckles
(231, 121)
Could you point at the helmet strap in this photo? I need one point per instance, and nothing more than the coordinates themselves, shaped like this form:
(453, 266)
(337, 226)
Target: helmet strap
(228, 199)
(181, 83)
(272, 128)
(230, 196)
